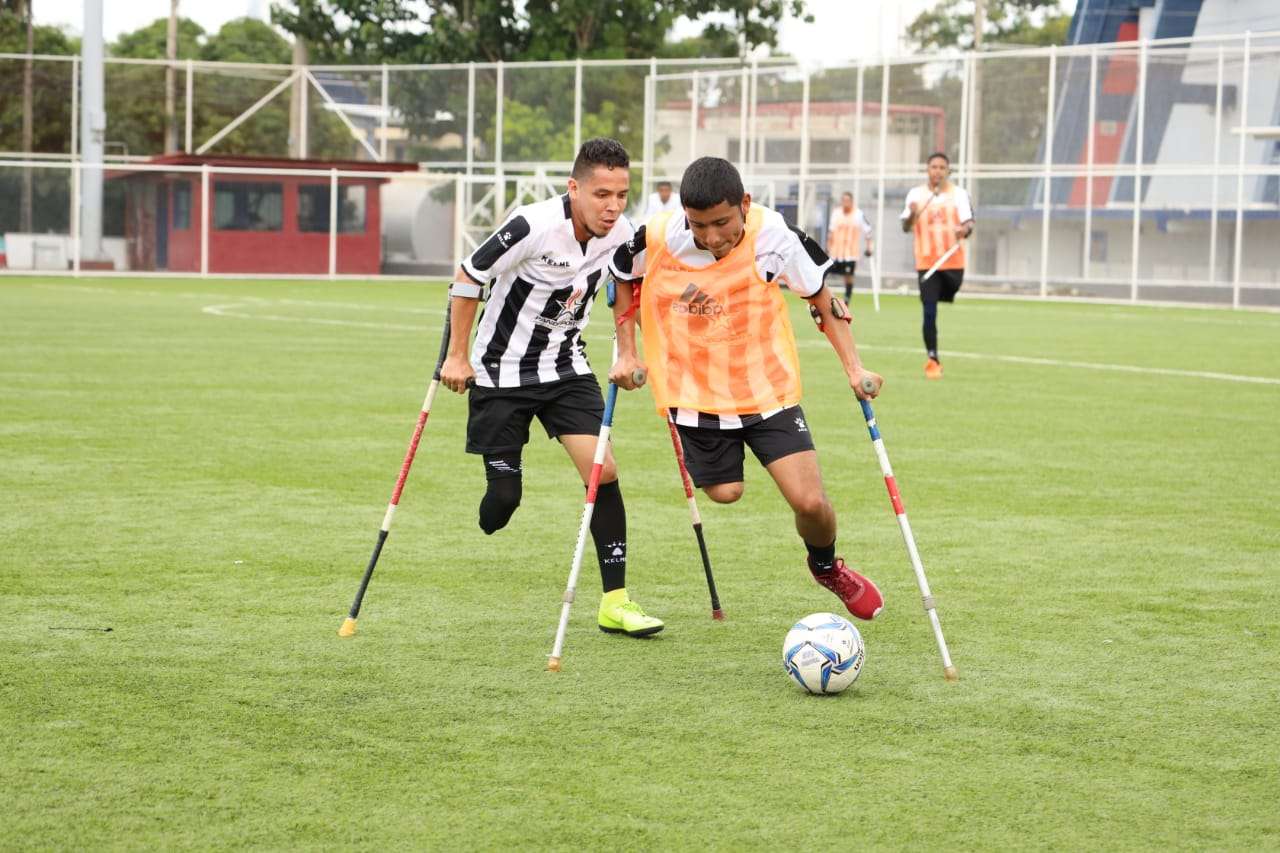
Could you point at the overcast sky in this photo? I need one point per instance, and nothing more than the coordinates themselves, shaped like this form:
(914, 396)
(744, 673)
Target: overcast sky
(842, 29)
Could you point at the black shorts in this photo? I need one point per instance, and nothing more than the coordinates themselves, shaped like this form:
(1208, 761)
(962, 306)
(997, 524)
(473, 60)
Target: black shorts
(842, 267)
(498, 418)
(714, 455)
(942, 286)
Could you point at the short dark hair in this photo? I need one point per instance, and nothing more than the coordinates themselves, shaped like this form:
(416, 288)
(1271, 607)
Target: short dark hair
(660, 184)
(709, 181)
(847, 194)
(601, 151)
(935, 155)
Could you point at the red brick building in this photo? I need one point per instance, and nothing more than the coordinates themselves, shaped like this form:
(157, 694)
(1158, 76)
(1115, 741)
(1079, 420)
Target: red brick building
(260, 223)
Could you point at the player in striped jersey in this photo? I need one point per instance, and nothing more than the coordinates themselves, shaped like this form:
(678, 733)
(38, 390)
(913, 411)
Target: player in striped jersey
(543, 267)
(848, 224)
(722, 357)
(941, 214)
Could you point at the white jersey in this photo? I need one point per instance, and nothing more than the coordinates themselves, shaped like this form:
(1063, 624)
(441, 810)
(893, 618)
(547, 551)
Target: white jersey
(784, 254)
(541, 283)
(656, 205)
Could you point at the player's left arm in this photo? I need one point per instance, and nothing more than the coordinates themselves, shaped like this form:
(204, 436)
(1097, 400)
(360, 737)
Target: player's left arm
(835, 320)
(805, 267)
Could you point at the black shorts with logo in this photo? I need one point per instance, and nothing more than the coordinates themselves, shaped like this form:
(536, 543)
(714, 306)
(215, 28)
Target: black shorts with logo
(715, 455)
(842, 267)
(498, 418)
(942, 286)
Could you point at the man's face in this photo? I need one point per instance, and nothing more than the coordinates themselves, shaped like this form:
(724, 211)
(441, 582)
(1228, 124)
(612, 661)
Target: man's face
(847, 203)
(664, 192)
(718, 229)
(600, 198)
(938, 171)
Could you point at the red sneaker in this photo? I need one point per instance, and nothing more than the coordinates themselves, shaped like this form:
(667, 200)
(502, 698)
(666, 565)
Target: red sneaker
(858, 593)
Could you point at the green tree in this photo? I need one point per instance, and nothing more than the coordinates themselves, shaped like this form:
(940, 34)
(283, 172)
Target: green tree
(1029, 22)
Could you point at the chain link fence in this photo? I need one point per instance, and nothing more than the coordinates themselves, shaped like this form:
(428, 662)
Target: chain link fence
(1141, 170)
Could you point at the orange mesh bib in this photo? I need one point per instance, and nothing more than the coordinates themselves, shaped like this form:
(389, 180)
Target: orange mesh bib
(716, 339)
(936, 233)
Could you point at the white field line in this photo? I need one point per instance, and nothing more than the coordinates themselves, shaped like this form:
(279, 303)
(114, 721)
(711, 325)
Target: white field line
(231, 310)
(228, 310)
(1081, 365)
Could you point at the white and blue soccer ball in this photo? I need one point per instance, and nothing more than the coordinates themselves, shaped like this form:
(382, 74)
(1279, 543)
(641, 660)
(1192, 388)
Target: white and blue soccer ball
(823, 653)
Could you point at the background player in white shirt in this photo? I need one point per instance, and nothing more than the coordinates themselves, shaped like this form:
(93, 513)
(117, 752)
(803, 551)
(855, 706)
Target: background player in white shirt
(663, 199)
(543, 267)
(848, 224)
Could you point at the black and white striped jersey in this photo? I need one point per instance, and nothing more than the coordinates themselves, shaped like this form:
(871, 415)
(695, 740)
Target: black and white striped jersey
(541, 283)
(784, 255)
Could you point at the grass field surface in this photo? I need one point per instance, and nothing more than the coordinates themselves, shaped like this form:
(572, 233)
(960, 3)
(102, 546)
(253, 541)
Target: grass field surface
(202, 466)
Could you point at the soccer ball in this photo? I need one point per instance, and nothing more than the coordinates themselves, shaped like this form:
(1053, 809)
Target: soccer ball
(823, 653)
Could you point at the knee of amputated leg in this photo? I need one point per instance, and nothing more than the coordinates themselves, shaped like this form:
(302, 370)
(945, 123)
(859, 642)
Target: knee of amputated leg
(609, 471)
(724, 493)
(503, 492)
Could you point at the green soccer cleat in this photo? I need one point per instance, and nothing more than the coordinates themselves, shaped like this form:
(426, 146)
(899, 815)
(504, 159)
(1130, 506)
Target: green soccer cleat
(620, 615)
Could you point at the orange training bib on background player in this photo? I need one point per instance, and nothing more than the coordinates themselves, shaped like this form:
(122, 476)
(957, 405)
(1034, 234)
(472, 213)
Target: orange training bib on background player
(725, 343)
(845, 233)
(935, 228)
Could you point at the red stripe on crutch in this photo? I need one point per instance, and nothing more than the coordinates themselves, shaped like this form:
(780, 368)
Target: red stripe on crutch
(594, 481)
(895, 498)
(684, 472)
(408, 457)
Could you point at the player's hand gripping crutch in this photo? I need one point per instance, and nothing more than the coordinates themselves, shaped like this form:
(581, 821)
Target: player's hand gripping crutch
(948, 669)
(348, 628)
(588, 509)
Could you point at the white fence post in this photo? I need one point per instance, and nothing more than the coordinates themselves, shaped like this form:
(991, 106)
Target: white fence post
(333, 222)
(1244, 123)
(1137, 170)
(1048, 172)
(802, 194)
(693, 116)
(190, 110)
(884, 142)
(1217, 156)
(577, 106)
(204, 219)
(75, 217)
(499, 185)
(386, 108)
(1086, 261)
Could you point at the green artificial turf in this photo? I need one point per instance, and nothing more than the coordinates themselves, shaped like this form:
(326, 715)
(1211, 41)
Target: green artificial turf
(202, 466)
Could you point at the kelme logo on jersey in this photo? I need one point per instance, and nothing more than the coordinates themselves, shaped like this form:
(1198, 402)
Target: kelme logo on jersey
(696, 303)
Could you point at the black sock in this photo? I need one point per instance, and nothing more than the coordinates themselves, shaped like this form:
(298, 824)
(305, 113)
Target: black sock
(848, 292)
(930, 328)
(823, 558)
(609, 531)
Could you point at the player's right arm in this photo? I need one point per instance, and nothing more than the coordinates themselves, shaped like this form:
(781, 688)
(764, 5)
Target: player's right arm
(456, 371)
(503, 251)
(909, 213)
(627, 269)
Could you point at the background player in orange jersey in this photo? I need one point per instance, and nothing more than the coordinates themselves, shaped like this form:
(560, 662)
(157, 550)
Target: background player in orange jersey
(941, 214)
(721, 354)
(848, 226)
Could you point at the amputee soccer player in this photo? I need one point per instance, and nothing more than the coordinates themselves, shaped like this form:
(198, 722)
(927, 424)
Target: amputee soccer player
(848, 225)
(722, 356)
(543, 267)
(941, 214)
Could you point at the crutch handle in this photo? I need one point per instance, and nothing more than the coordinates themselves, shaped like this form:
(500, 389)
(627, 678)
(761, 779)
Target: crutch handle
(869, 385)
(639, 375)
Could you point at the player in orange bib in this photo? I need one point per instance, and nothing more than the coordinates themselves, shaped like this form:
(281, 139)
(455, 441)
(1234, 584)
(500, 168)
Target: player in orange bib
(721, 356)
(848, 227)
(941, 215)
